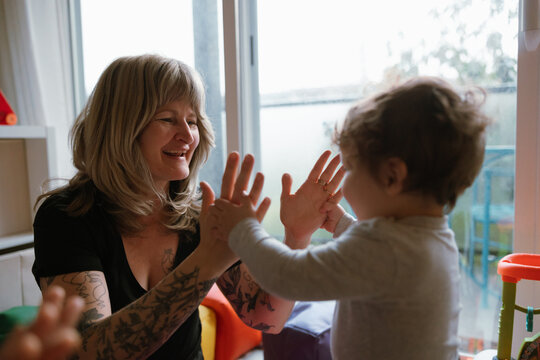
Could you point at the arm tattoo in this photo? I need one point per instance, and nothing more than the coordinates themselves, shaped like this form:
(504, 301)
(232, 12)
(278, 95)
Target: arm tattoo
(247, 298)
(144, 325)
(93, 294)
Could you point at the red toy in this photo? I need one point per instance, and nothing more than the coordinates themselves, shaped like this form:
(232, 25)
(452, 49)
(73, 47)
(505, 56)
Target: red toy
(7, 116)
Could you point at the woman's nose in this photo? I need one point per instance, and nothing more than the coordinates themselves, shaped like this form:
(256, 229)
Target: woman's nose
(184, 132)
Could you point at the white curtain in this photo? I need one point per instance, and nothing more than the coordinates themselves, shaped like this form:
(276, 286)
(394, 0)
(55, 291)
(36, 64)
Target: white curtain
(36, 69)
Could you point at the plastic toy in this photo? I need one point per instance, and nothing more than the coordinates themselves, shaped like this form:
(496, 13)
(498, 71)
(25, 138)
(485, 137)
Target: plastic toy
(513, 268)
(7, 115)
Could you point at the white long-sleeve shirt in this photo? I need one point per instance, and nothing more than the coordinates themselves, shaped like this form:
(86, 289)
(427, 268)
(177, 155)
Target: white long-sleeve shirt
(396, 282)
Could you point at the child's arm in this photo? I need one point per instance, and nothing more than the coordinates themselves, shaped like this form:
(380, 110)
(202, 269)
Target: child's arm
(253, 305)
(347, 267)
(302, 212)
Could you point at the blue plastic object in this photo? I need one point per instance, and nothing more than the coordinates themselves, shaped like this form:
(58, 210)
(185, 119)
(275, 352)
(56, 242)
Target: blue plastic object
(530, 316)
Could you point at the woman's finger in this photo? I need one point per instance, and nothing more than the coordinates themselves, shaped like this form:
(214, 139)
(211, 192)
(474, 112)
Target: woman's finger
(242, 181)
(286, 186)
(333, 184)
(208, 195)
(229, 175)
(336, 198)
(330, 169)
(221, 204)
(256, 188)
(319, 166)
(263, 209)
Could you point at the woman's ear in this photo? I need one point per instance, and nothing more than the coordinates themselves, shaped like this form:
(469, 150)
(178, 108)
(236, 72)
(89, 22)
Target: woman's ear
(393, 174)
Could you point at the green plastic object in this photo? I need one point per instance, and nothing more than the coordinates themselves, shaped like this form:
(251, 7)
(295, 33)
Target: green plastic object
(530, 349)
(19, 315)
(506, 320)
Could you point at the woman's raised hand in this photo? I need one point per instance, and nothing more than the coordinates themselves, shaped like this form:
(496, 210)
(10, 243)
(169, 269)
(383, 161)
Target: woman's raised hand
(306, 210)
(232, 187)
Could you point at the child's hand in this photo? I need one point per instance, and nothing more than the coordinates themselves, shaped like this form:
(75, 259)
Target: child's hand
(227, 214)
(333, 212)
(301, 212)
(52, 335)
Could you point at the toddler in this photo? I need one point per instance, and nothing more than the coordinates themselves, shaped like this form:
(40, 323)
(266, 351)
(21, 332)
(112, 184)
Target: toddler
(408, 154)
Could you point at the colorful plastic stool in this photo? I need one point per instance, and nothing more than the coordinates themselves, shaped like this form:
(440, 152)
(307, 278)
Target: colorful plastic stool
(513, 268)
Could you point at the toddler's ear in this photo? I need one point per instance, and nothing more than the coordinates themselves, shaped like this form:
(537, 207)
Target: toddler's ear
(393, 175)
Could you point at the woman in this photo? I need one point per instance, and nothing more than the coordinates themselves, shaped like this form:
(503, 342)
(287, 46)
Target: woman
(128, 232)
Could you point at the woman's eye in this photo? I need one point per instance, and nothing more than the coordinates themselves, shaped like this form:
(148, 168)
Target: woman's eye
(167, 120)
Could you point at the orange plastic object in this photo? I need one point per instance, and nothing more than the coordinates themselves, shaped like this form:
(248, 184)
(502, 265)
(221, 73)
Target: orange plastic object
(514, 267)
(233, 337)
(7, 115)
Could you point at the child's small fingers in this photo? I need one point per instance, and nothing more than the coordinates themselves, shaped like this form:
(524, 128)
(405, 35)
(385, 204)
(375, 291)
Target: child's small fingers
(46, 319)
(72, 311)
(21, 344)
(49, 311)
(61, 344)
(55, 295)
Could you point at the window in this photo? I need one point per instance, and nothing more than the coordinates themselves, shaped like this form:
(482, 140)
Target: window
(314, 64)
(181, 29)
(310, 59)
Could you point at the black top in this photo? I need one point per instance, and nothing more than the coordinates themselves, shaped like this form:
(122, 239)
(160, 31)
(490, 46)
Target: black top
(65, 244)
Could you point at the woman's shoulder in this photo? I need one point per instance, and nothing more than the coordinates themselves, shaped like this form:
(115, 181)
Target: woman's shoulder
(58, 201)
(57, 206)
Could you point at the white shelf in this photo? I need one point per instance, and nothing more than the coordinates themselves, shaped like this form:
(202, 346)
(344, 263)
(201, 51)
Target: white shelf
(22, 132)
(11, 241)
(26, 161)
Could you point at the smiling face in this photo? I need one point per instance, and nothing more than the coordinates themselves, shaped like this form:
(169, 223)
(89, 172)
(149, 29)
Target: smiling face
(169, 141)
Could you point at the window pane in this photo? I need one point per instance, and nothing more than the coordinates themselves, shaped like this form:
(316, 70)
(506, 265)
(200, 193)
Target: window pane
(346, 50)
(181, 29)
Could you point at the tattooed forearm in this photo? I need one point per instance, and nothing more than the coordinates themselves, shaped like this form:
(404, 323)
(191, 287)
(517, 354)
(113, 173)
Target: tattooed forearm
(140, 328)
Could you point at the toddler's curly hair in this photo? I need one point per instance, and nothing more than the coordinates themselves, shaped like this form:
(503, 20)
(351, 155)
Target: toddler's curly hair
(439, 135)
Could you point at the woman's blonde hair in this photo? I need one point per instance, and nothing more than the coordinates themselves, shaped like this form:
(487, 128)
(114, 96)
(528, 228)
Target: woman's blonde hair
(104, 142)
